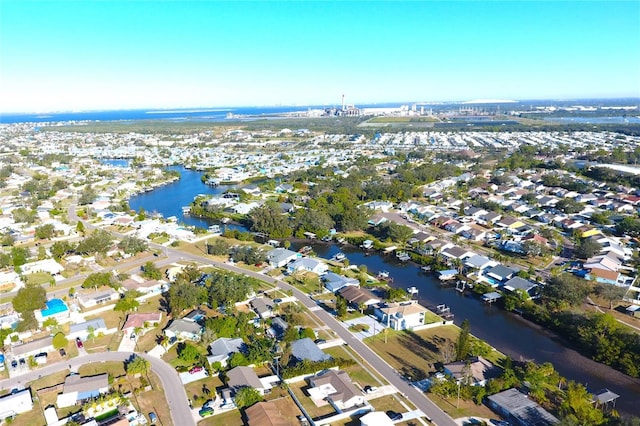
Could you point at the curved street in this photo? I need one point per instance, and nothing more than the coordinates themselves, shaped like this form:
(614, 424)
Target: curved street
(174, 390)
(172, 386)
(432, 411)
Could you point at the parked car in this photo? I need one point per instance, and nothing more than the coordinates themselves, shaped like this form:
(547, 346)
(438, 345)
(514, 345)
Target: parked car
(205, 411)
(22, 361)
(277, 301)
(79, 343)
(394, 416)
(14, 363)
(370, 389)
(153, 418)
(63, 352)
(196, 369)
(319, 341)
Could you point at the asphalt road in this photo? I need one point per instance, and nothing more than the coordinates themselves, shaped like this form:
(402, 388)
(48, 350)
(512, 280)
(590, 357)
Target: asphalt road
(172, 386)
(432, 411)
(175, 393)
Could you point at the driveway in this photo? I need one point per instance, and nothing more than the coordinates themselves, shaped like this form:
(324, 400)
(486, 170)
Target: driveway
(374, 326)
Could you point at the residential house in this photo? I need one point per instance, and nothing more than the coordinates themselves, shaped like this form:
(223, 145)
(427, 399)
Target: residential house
(478, 262)
(609, 262)
(183, 330)
(306, 349)
(16, 403)
(475, 372)
(383, 206)
(280, 256)
(401, 315)
(519, 410)
(263, 306)
(278, 328)
(474, 233)
(307, 264)
(268, 414)
(221, 349)
(196, 315)
(604, 276)
(56, 309)
(357, 296)
(140, 321)
(34, 347)
(376, 418)
(337, 388)
(455, 253)
(91, 299)
(377, 219)
(46, 265)
(244, 208)
(284, 187)
(143, 285)
(517, 283)
(489, 219)
(334, 282)
(77, 389)
(240, 377)
(84, 329)
(500, 273)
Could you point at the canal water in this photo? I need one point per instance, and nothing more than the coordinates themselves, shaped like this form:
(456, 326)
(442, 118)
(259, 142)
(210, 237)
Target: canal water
(507, 332)
(169, 199)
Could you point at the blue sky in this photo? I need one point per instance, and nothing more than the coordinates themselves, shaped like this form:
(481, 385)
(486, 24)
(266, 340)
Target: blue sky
(158, 54)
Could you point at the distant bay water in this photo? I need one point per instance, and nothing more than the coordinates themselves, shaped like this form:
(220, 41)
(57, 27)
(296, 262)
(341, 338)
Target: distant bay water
(178, 115)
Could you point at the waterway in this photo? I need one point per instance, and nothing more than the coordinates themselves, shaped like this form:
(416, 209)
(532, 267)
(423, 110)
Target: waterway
(169, 199)
(507, 332)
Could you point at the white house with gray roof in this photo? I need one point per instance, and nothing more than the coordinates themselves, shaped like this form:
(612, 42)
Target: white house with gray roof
(281, 256)
(223, 348)
(15, 403)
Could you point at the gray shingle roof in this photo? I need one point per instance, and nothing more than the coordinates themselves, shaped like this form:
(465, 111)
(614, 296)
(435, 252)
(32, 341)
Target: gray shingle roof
(305, 349)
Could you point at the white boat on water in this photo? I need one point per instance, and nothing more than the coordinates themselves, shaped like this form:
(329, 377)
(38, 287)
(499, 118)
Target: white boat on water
(339, 257)
(383, 274)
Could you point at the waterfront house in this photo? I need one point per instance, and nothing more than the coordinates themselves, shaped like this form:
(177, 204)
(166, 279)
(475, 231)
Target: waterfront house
(478, 262)
(500, 273)
(519, 410)
(476, 371)
(337, 388)
(401, 315)
(357, 296)
(221, 349)
(334, 282)
(307, 264)
(279, 257)
(517, 283)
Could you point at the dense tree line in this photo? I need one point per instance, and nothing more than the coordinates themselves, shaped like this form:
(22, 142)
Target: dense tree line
(596, 335)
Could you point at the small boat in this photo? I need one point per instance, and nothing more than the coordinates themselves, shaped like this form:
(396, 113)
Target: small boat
(305, 250)
(426, 268)
(339, 257)
(383, 274)
(225, 220)
(186, 210)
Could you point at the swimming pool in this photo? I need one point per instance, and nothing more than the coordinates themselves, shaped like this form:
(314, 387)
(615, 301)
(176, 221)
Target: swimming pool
(54, 306)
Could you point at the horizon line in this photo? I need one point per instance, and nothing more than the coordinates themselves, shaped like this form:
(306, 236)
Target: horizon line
(297, 105)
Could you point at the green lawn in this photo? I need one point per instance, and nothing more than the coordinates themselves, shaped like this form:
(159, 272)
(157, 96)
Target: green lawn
(38, 278)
